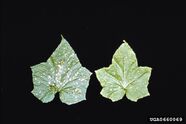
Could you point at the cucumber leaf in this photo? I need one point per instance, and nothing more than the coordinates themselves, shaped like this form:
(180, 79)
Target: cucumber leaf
(62, 73)
(124, 76)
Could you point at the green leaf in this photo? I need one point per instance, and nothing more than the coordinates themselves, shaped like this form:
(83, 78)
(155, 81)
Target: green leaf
(124, 76)
(62, 73)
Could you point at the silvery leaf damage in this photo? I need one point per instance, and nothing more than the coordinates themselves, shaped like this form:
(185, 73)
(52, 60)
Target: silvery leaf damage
(62, 73)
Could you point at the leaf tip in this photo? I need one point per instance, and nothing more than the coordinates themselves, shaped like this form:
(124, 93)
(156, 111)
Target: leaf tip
(62, 36)
(139, 98)
(31, 66)
(114, 100)
(125, 42)
(149, 69)
(97, 71)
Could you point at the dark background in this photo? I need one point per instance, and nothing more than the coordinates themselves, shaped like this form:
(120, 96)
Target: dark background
(31, 32)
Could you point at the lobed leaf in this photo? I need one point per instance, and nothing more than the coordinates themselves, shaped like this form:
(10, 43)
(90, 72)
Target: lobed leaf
(62, 73)
(124, 76)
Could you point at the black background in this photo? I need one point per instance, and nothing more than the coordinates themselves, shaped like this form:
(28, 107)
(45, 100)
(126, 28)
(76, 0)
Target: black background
(31, 32)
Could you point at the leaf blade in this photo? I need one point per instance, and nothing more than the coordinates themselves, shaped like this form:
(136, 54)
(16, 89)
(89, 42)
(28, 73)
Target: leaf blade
(124, 68)
(57, 73)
